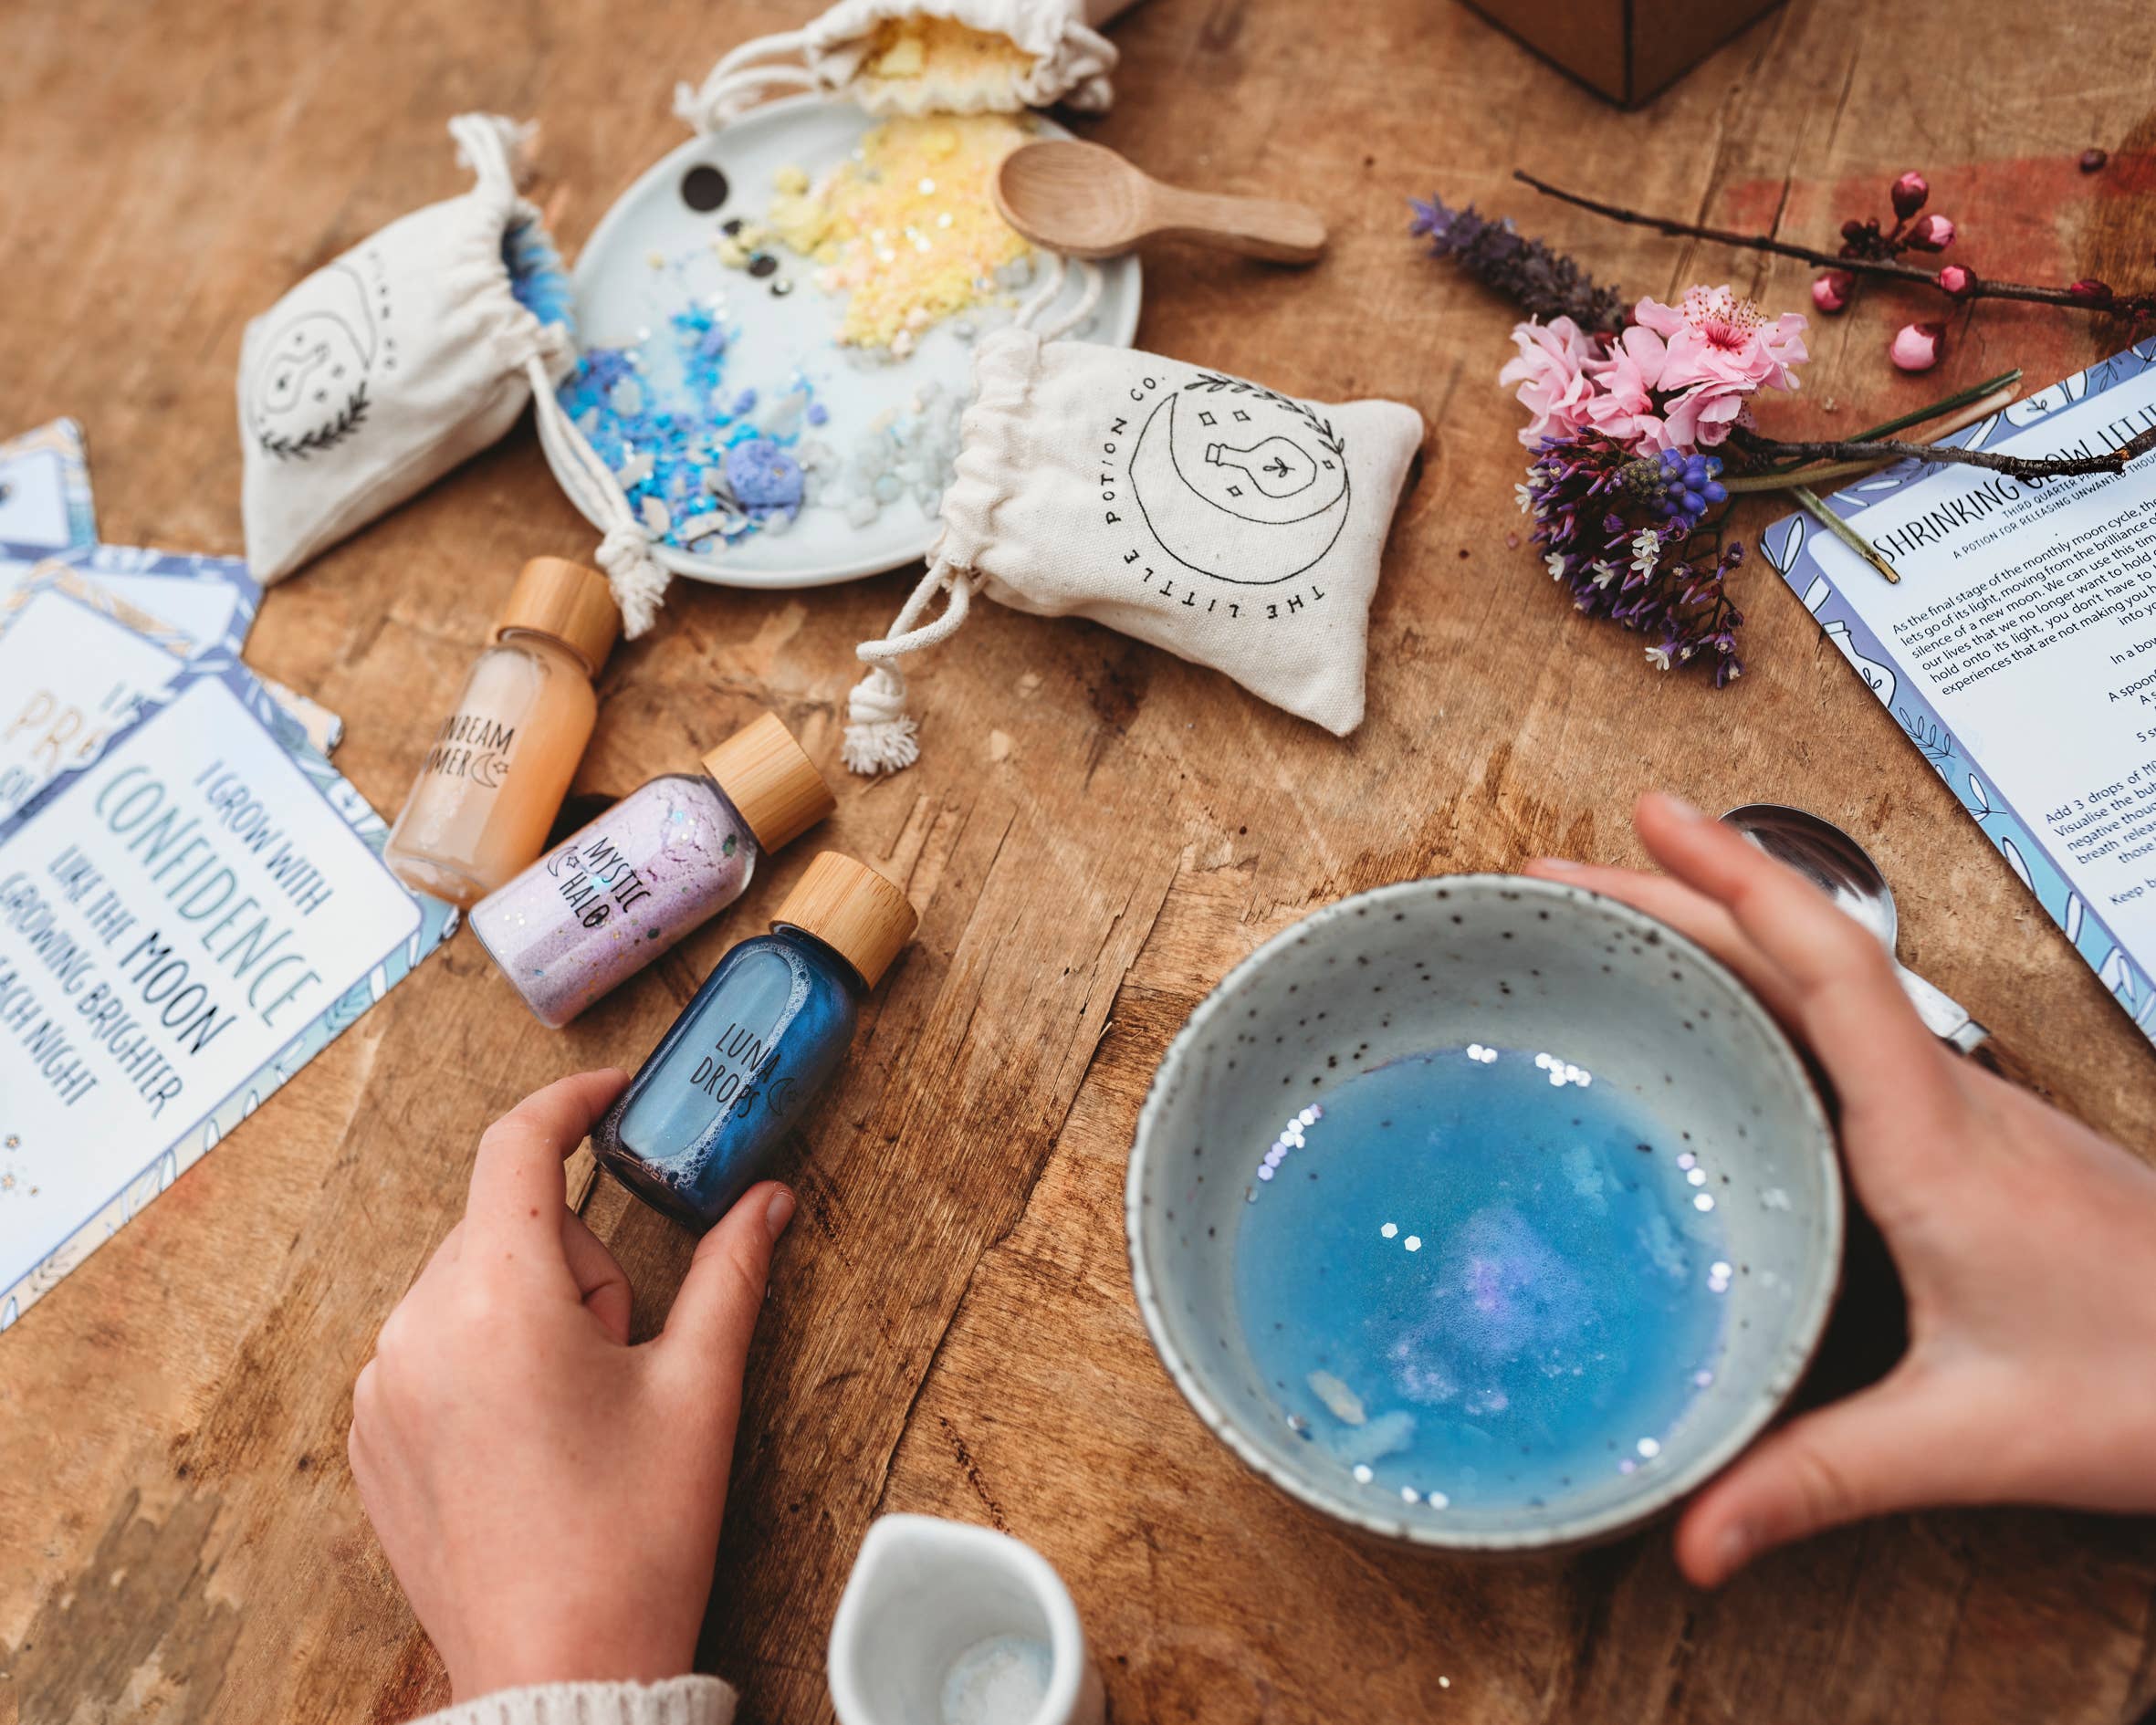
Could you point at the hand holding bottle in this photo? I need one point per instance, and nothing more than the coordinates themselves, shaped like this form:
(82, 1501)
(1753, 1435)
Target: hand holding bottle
(550, 1495)
(2021, 1237)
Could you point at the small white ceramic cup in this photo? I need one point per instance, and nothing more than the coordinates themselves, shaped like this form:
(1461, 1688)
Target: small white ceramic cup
(947, 1623)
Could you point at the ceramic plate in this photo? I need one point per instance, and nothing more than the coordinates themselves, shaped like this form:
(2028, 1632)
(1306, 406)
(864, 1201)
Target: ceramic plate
(652, 255)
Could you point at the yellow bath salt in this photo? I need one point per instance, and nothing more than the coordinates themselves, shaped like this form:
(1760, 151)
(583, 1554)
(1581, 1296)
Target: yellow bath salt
(922, 64)
(906, 227)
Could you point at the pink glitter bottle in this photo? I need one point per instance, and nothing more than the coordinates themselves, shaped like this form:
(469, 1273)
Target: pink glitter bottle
(666, 858)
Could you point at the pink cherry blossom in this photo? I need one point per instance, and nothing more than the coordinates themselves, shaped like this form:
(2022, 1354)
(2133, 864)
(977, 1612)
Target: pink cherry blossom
(1549, 370)
(1622, 406)
(1830, 292)
(1719, 351)
(1720, 339)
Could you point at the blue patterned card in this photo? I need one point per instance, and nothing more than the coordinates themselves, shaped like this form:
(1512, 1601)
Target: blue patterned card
(211, 600)
(45, 489)
(2018, 650)
(184, 923)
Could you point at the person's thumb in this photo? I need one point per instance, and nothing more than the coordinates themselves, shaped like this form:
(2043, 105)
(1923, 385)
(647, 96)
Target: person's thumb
(713, 1315)
(1902, 1444)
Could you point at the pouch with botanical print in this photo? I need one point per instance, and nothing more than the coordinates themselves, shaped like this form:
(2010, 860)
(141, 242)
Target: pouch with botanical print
(394, 362)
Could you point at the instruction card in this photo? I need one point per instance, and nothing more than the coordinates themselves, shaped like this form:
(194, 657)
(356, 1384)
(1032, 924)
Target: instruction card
(2018, 649)
(184, 922)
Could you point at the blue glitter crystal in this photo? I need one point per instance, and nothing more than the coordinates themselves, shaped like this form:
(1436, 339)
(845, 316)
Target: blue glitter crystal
(661, 415)
(763, 475)
(537, 279)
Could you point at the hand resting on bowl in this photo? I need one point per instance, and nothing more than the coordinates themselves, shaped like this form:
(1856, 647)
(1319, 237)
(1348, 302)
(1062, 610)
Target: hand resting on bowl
(2021, 1237)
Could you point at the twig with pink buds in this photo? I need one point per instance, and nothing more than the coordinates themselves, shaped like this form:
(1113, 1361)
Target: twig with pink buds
(1957, 281)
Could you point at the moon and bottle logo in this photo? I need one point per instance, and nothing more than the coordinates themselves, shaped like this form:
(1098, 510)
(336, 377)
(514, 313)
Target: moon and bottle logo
(1244, 487)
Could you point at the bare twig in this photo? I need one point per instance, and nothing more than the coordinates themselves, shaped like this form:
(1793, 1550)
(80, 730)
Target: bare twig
(1977, 407)
(1885, 449)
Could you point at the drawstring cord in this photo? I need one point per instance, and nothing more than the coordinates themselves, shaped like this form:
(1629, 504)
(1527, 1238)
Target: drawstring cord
(496, 149)
(881, 735)
(635, 574)
(741, 76)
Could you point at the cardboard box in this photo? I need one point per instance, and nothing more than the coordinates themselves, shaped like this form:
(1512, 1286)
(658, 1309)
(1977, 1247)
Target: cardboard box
(1624, 49)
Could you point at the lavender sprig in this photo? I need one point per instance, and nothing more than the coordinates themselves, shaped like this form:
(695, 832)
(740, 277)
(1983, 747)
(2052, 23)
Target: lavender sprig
(1544, 283)
(1629, 536)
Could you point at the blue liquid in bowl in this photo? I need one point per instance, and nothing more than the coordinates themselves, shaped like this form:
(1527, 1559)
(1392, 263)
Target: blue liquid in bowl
(1477, 1277)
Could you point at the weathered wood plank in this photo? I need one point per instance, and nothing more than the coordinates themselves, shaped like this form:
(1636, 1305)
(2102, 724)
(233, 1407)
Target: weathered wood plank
(950, 1327)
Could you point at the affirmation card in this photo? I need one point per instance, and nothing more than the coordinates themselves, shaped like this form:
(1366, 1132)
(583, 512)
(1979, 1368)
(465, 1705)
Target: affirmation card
(2018, 650)
(45, 490)
(75, 666)
(208, 603)
(183, 923)
(86, 636)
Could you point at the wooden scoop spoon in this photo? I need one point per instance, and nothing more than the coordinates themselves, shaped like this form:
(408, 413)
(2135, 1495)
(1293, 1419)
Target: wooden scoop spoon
(1087, 201)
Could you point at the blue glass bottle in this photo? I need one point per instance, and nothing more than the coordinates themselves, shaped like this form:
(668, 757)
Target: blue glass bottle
(705, 1117)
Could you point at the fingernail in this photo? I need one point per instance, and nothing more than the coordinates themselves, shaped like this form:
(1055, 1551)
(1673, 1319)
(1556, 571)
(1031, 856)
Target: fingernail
(1735, 1548)
(1558, 864)
(1677, 806)
(777, 1213)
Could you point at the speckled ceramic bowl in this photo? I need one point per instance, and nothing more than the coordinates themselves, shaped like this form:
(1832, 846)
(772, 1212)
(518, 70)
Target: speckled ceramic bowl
(1513, 963)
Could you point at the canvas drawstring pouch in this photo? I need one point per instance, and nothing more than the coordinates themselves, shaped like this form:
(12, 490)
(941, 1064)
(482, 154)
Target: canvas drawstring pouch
(919, 57)
(1236, 527)
(407, 355)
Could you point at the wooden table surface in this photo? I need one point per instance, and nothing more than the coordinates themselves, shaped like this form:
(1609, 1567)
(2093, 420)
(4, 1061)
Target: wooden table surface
(1097, 833)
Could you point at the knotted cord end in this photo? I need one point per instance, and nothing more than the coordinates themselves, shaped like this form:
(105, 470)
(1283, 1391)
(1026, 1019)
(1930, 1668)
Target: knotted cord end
(880, 736)
(638, 578)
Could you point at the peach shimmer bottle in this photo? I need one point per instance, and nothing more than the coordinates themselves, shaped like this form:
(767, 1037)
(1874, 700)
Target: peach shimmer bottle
(493, 780)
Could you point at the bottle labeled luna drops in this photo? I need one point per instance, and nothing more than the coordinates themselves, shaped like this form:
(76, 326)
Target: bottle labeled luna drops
(670, 855)
(490, 786)
(705, 1117)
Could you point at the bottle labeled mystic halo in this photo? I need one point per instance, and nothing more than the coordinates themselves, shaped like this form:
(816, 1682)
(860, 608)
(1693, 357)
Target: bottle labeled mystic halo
(667, 857)
(493, 782)
(704, 1118)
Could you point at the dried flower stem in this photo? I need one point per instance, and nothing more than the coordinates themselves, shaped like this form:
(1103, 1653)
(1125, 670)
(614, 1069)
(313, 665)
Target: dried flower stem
(1809, 501)
(1889, 449)
(1974, 403)
(1892, 269)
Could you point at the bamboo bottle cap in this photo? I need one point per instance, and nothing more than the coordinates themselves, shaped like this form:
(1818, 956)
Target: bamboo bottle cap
(769, 778)
(564, 599)
(850, 908)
